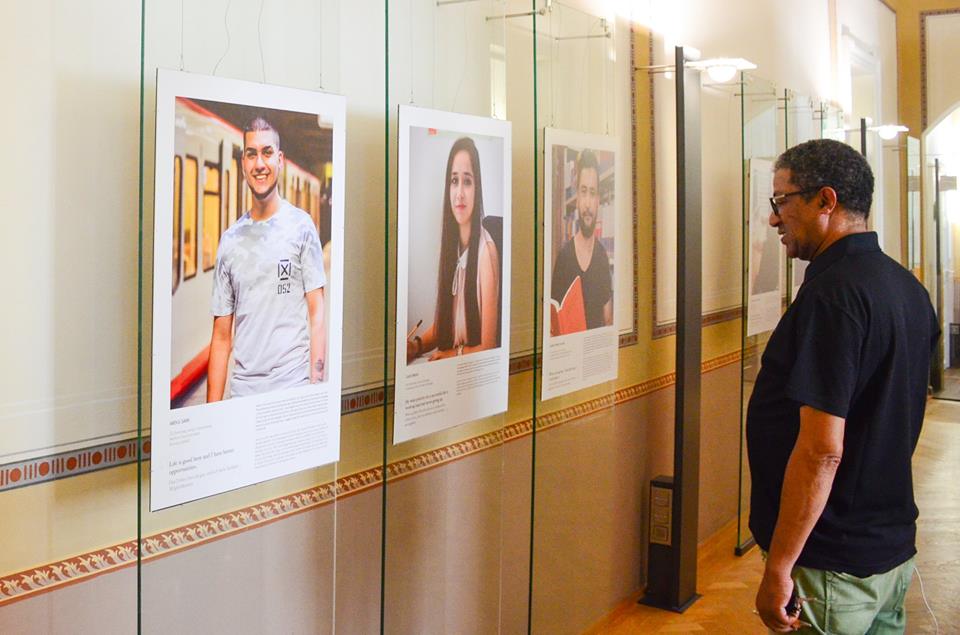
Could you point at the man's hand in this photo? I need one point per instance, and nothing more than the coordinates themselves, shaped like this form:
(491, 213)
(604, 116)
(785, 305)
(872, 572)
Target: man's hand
(772, 599)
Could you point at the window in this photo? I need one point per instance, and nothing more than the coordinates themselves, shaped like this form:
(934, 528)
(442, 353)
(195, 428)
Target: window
(189, 218)
(177, 185)
(211, 214)
(235, 195)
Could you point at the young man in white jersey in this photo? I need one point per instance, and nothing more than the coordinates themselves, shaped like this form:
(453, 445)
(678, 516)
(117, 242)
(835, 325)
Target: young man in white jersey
(268, 288)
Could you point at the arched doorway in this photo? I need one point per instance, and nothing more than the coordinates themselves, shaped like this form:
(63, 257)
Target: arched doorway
(941, 171)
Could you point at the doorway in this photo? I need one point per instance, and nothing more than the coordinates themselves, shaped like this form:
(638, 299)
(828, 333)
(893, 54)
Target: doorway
(942, 168)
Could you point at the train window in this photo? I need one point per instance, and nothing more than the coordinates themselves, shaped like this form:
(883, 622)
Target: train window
(232, 213)
(225, 200)
(308, 202)
(189, 217)
(236, 189)
(177, 184)
(211, 214)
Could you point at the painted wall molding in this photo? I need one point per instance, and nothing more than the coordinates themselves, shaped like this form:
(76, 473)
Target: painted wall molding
(31, 582)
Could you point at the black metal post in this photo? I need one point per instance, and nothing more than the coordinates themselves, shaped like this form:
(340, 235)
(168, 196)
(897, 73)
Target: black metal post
(936, 372)
(679, 590)
(863, 136)
(686, 454)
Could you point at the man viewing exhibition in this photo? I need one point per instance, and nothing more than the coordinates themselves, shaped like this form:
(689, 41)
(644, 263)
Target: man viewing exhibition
(268, 285)
(837, 408)
(583, 256)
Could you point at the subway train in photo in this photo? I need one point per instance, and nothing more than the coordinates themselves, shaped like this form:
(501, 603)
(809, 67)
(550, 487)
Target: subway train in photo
(209, 195)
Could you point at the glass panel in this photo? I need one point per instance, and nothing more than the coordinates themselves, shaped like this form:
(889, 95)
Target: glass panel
(586, 212)
(914, 229)
(460, 194)
(68, 399)
(242, 530)
(802, 124)
(765, 127)
(946, 219)
(832, 123)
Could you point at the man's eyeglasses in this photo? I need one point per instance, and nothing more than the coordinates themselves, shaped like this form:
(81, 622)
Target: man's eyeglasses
(777, 201)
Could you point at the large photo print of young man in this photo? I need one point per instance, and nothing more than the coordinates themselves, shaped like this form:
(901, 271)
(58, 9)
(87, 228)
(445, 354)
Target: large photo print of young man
(265, 242)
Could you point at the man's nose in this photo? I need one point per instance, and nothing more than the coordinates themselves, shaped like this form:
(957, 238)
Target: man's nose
(773, 219)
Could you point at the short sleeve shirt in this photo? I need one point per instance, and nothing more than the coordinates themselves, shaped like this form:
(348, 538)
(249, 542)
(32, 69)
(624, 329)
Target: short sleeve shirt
(263, 271)
(856, 343)
(597, 286)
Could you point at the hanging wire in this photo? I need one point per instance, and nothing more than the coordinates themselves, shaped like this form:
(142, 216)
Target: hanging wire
(466, 49)
(318, 44)
(605, 44)
(503, 53)
(226, 27)
(554, 57)
(410, 64)
(263, 68)
(181, 35)
(583, 75)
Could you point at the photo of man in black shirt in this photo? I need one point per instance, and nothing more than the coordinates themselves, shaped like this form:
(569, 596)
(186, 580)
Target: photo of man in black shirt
(583, 256)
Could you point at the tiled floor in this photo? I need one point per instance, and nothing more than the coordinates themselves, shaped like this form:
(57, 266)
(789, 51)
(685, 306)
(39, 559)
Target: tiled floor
(728, 583)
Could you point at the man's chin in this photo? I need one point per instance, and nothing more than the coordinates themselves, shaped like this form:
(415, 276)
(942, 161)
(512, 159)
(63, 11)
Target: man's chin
(262, 196)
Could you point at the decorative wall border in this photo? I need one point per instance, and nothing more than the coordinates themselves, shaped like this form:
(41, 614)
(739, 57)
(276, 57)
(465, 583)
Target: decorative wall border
(90, 459)
(708, 319)
(28, 583)
(72, 463)
(923, 60)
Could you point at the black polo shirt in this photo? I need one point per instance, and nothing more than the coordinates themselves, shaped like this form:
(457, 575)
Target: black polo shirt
(856, 343)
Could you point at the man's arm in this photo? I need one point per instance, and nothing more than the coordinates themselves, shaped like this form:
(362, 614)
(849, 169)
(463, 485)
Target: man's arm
(806, 487)
(221, 344)
(608, 312)
(318, 335)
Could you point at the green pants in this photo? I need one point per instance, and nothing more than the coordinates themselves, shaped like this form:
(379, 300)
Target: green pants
(843, 604)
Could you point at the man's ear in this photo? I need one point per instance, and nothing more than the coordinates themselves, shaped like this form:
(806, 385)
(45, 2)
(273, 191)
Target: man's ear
(828, 198)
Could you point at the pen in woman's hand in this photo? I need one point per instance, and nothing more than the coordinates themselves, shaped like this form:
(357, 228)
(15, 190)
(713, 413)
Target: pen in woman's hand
(414, 329)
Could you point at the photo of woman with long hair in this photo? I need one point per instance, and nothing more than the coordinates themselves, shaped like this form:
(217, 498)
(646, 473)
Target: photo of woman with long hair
(466, 318)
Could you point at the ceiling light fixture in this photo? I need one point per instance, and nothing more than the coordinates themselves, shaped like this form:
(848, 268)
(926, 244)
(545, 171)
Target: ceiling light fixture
(723, 69)
(889, 131)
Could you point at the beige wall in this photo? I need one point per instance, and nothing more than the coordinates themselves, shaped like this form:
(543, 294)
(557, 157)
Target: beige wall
(460, 530)
(942, 48)
(457, 542)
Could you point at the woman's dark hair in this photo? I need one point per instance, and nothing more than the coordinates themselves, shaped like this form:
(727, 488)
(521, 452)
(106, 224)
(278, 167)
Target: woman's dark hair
(449, 243)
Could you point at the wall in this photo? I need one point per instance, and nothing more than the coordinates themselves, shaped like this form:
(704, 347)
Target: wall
(910, 57)
(913, 73)
(231, 554)
(774, 36)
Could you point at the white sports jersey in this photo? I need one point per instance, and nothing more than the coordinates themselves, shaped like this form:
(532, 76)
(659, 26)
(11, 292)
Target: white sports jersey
(263, 271)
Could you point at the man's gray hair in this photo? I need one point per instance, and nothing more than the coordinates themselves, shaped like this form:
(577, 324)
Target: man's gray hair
(825, 162)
